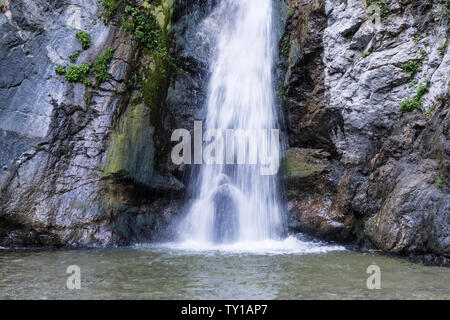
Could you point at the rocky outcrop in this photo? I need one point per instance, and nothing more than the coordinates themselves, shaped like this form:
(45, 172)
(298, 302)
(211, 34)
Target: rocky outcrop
(405, 198)
(82, 164)
(385, 177)
(50, 190)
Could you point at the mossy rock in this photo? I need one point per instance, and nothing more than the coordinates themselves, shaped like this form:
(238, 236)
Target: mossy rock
(302, 163)
(131, 151)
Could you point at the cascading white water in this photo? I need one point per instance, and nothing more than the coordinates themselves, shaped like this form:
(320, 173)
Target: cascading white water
(235, 203)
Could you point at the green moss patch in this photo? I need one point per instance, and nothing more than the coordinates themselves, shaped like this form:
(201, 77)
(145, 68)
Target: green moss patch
(302, 163)
(131, 151)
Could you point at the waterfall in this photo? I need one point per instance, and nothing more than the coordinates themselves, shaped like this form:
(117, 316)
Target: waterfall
(236, 203)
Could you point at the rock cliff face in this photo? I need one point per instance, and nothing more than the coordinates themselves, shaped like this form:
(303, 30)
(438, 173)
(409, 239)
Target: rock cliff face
(373, 167)
(86, 160)
(88, 163)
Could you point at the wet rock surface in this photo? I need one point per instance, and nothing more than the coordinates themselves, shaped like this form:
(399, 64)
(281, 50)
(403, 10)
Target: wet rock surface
(79, 165)
(386, 179)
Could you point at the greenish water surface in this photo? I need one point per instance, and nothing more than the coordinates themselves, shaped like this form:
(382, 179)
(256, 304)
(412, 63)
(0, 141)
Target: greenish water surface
(169, 272)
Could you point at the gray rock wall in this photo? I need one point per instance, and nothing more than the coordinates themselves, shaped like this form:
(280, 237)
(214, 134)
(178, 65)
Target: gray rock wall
(54, 140)
(78, 164)
(387, 176)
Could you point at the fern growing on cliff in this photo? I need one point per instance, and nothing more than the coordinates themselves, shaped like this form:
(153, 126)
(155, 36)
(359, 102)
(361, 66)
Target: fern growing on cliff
(146, 30)
(79, 73)
(101, 65)
(84, 38)
(109, 9)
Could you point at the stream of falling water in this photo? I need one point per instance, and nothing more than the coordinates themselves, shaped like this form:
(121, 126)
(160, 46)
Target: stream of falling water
(236, 203)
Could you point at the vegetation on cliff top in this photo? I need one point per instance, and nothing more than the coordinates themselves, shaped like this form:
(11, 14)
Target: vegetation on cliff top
(140, 19)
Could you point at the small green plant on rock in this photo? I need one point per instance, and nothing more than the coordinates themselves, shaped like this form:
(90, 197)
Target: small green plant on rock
(439, 183)
(146, 30)
(79, 73)
(384, 7)
(436, 105)
(127, 25)
(443, 48)
(412, 84)
(74, 56)
(412, 67)
(60, 70)
(365, 54)
(423, 53)
(410, 105)
(109, 9)
(84, 38)
(101, 65)
(415, 103)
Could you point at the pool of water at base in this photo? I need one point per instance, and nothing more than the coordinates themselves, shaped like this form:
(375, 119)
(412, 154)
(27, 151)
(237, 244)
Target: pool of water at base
(292, 269)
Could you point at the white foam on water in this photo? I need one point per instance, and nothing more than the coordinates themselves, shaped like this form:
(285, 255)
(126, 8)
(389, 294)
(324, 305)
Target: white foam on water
(290, 245)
